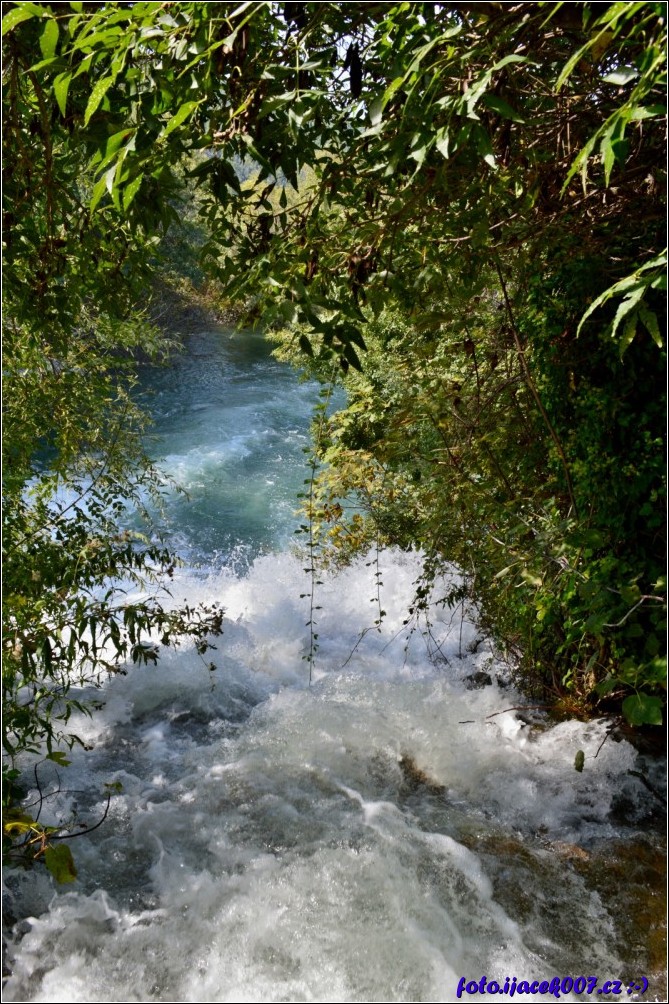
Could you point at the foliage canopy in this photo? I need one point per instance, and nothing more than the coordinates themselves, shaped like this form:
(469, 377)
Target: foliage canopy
(483, 213)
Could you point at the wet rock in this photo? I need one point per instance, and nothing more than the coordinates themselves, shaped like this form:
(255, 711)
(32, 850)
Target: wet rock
(416, 778)
(478, 680)
(571, 852)
(630, 876)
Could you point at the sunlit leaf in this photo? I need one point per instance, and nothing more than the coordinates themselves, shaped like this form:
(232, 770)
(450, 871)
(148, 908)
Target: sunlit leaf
(620, 77)
(18, 14)
(186, 109)
(61, 86)
(49, 39)
(96, 96)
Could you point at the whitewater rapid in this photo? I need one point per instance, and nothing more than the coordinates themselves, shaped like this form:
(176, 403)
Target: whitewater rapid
(376, 835)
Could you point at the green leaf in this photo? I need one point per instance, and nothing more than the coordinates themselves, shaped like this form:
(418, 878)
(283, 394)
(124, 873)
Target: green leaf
(630, 594)
(49, 39)
(649, 320)
(16, 815)
(633, 282)
(642, 709)
(595, 44)
(99, 190)
(629, 331)
(186, 109)
(606, 686)
(115, 141)
(579, 761)
(59, 758)
(502, 107)
(608, 156)
(391, 89)
(442, 141)
(61, 85)
(656, 670)
(18, 14)
(510, 59)
(131, 190)
(97, 94)
(60, 863)
(646, 112)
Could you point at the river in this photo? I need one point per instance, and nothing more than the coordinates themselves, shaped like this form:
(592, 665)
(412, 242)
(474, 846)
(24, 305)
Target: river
(375, 836)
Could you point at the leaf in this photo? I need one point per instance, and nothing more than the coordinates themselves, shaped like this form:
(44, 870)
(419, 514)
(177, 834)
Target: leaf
(642, 709)
(49, 39)
(376, 111)
(97, 94)
(629, 331)
(391, 89)
(61, 86)
(59, 758)
(187, 108)
(60, 863)
(504, 571)
(18, 826)
(351, 356)
(649, 320)
(131, 190)
(502, 107)
(608, 155)
(630, 282)
(606, 686)
(579, 761)
(305, 345)
(355, 335)
(597, 47)
(18, 14)
(110, 178)
(442, 141)
(646, 112)
(16, 815)
(510, 59)
(99, 190)
(620, 77)
(656, 670)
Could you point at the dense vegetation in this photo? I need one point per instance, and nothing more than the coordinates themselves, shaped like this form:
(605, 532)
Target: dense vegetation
(476, 245)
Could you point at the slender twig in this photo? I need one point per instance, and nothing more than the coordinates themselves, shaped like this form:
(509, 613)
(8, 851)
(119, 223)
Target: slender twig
(71, 836)
(521, 707)
(313, 637)
(646, 783)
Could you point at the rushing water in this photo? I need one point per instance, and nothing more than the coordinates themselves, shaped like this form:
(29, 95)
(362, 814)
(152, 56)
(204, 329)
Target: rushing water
(374, 836)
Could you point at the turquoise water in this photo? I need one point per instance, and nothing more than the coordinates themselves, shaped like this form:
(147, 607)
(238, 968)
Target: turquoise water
(231, 428)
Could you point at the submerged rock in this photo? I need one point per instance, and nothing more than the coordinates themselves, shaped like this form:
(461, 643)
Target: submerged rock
(478, 680)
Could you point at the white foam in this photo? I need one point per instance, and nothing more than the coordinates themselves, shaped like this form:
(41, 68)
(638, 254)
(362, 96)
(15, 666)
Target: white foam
(268, 846)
